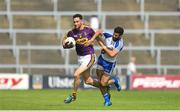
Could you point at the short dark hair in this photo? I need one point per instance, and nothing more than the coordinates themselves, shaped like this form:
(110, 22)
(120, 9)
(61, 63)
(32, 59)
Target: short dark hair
(77, 15)
(119, 30)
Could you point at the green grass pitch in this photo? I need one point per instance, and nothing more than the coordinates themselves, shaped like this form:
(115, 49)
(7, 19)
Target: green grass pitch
(88, 100)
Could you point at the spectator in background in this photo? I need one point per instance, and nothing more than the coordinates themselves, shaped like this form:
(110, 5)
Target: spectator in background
(94, 22)
(131, 70)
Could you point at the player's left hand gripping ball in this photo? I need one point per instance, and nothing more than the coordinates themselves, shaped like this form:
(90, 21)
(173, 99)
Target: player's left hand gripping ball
(69, 42)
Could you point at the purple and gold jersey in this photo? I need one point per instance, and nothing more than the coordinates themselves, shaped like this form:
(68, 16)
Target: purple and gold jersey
(81, 36)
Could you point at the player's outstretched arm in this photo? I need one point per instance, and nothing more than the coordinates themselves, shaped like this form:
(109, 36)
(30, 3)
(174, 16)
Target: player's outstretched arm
(96, 35)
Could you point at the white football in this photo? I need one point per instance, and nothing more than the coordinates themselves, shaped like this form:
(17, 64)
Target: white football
(70, 41)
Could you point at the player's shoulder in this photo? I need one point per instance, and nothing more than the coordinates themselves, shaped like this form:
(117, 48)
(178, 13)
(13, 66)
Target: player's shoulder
(69, 34)
(107, 35)
(119, 44)
(71, 31)
(87, 27)
(120, 41)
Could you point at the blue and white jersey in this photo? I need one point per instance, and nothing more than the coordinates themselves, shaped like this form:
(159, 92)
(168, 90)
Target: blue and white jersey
(118, 45)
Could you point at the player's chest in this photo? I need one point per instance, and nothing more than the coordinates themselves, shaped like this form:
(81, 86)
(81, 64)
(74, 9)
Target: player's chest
(110, 42)
(82, 34)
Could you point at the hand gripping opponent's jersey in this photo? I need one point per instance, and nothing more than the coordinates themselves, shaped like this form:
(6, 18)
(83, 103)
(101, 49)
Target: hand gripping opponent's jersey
(118, 45)
(81, 36)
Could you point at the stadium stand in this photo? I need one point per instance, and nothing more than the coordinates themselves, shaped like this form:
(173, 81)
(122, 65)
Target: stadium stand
(161, 5)
(31, 32)
(80, 5)
(2, 5)
(31, 5)
(120, 5)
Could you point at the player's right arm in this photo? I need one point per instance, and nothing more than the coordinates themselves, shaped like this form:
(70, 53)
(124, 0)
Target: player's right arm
(63, 41)
(111, 52)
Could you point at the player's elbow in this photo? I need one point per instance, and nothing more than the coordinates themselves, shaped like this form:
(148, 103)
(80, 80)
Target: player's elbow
(112, 54)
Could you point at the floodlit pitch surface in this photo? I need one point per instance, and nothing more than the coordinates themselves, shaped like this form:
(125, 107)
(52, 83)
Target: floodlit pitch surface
(88, 99)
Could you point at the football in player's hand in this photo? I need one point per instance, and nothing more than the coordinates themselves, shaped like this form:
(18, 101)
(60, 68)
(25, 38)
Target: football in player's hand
(69, 42)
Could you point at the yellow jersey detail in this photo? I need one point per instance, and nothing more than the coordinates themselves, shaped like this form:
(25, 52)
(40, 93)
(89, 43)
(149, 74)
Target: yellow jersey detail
(81, 40)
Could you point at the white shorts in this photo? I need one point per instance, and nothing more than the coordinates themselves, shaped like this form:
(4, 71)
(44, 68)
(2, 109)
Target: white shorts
(87, 60)
(106, 66)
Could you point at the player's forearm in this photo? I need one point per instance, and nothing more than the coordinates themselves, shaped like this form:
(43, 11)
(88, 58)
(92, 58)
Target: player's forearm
(110, 52)
(63, 41)
(96, 35)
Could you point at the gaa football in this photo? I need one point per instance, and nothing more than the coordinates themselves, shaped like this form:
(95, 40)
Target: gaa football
(70, 42)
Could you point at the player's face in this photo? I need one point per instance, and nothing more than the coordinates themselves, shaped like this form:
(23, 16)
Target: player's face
(116, 36)
(77, 22)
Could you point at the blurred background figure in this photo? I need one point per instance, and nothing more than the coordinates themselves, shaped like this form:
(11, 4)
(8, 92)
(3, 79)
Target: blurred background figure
(131, 70)
(94, 22)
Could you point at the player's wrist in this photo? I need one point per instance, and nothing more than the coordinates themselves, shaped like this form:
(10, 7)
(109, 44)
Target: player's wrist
(92, 40)
(104, 47)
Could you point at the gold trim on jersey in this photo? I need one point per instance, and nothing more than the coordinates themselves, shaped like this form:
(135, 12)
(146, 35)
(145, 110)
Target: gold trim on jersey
(81, 40)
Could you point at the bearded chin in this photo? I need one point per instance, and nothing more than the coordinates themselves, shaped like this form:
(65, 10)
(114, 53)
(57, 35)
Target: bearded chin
(115, 39)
